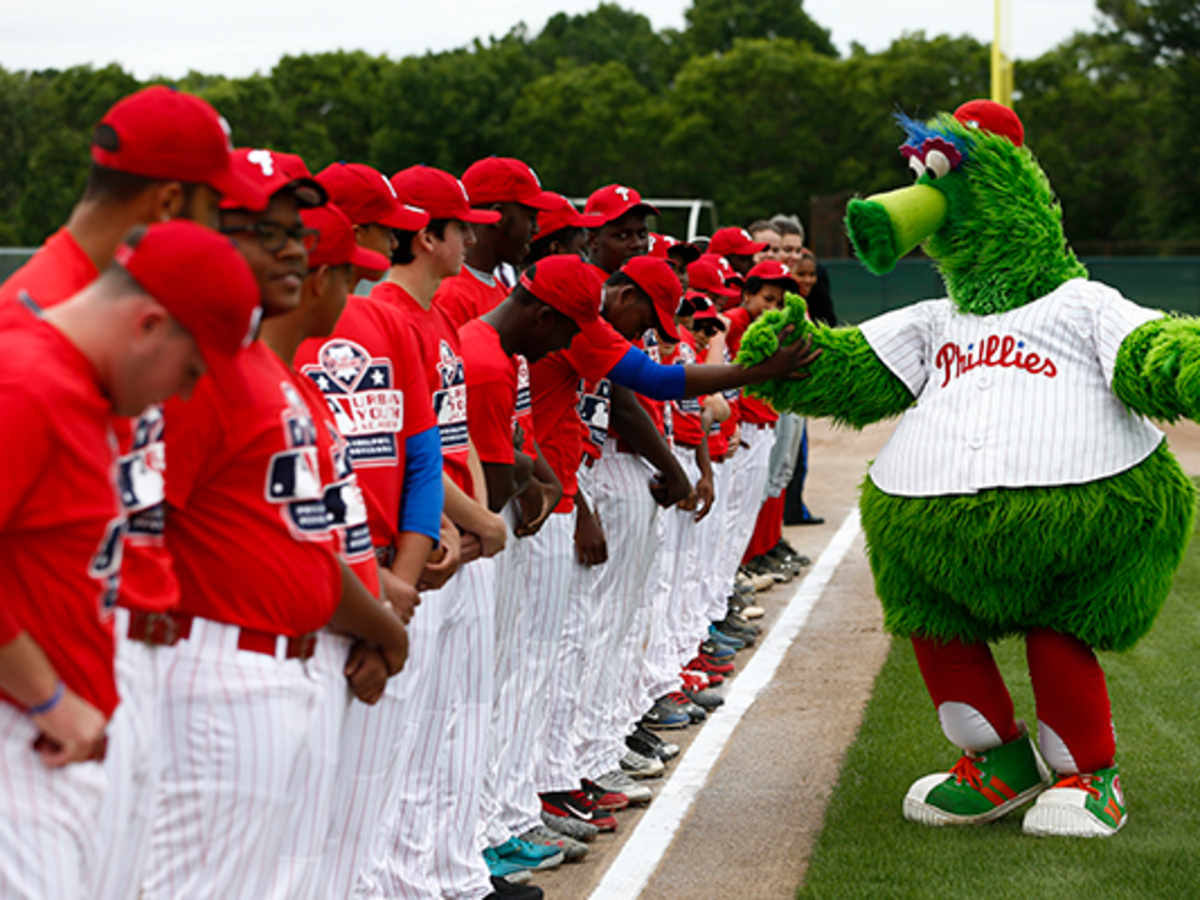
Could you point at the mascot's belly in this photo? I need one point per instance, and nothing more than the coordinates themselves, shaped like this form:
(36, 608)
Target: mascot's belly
(1094, 560)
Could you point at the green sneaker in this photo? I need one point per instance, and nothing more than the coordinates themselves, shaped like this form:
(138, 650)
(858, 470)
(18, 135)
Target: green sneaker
(1088, 805)
(981, 787)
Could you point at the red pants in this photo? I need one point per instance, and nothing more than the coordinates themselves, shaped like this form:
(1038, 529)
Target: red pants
(768, 529)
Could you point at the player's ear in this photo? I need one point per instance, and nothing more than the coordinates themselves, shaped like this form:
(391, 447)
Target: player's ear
(169, 200)
(150, 318)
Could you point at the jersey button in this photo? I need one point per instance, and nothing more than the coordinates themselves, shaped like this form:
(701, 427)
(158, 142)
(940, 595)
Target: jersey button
(975, 442)
(983, 382)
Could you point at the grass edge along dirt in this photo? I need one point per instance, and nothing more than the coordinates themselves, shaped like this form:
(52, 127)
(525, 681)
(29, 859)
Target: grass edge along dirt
(867, 849)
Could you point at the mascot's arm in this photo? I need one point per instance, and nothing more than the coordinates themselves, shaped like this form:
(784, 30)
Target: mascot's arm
(1157, 370)
(848, 382)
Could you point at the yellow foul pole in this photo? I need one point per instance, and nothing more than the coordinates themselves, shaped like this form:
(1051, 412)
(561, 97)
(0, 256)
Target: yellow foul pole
(1002, 69)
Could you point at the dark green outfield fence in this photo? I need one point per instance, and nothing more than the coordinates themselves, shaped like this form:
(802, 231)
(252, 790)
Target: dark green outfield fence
(1171, 283)
(1162, 282)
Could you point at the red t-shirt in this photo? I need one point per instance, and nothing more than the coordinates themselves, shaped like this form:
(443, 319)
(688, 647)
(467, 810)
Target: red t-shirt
(374, 383)
(555, 382)
(437, 341)
(58, 271)
(60, 521)
(246, 521)
(345, 504)
(491, 392)
(466, 296)
(751, 409)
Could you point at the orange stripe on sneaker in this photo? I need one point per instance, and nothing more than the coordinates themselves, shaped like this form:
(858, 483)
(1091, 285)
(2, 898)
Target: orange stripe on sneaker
(1113, 811)
(1003, 788)
(993, 798)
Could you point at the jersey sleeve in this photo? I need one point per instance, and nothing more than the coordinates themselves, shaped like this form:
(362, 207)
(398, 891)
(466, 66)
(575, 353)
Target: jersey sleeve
(593, 356)
(901, 340)
(1115, 318)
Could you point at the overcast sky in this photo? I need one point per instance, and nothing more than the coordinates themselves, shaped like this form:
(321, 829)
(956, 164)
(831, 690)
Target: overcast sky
(236, 37)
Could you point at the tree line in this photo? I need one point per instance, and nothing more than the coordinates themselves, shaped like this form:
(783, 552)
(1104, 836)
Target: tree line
(750, 104)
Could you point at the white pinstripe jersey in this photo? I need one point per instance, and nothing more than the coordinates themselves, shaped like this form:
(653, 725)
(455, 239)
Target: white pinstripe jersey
(1016, 399)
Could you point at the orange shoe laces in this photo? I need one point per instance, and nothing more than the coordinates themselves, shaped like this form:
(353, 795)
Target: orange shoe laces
(966, 770)
(1080, 783)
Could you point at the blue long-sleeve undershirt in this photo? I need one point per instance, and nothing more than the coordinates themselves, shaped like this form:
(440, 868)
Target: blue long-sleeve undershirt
(644, 376)
(421, 501)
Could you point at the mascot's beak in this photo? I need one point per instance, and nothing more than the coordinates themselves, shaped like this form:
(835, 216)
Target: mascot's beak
(884, 227)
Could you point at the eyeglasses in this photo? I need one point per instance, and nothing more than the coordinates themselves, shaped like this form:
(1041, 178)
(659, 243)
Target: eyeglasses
(274, 237)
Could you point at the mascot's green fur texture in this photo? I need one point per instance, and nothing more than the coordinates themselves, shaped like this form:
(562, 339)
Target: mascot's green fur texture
(1093, 560)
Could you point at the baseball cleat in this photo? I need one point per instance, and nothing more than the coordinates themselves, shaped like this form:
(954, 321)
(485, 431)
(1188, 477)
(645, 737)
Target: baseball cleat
(609, 801)
(1087, 805)
(570, 827)
(572, 850)
(637, 765)
(528, 855)
(619, 782)
(981, 787)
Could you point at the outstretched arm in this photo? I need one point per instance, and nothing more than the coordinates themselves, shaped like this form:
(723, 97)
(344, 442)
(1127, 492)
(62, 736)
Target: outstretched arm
(1157, 371)
(849, 383)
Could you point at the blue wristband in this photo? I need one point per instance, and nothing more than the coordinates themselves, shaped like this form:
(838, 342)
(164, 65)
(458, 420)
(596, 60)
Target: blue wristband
(43, 708)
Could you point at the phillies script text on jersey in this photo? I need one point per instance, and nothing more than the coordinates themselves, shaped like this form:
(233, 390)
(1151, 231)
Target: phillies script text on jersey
(994, 350)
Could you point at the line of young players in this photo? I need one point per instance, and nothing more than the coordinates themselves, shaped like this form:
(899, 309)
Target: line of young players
(393, 586)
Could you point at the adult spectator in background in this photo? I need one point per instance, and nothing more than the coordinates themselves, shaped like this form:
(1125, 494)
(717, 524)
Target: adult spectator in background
(763, 231)
(791, 249)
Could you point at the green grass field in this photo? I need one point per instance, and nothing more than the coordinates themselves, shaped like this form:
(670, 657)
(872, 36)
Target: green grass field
(867, 849)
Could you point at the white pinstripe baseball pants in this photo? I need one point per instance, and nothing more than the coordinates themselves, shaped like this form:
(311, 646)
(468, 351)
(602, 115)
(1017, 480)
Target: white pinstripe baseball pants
(531, 636)
(49, 818)
(714, 530)
(426, 846)
(750, 479)
(561, 582)
(132, 764)
(618, 485)
(236, 724)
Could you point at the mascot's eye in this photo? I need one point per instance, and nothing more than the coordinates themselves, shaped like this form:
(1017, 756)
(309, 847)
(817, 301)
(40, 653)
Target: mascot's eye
(937, 163)
(917, 166)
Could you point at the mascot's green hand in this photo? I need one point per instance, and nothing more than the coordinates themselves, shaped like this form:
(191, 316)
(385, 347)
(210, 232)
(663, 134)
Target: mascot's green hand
(1157, 370)
(849, 383)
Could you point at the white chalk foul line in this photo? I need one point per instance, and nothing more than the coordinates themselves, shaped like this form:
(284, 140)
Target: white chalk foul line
(644, 849)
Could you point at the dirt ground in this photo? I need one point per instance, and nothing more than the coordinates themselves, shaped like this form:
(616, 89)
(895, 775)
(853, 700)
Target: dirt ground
(751, 828)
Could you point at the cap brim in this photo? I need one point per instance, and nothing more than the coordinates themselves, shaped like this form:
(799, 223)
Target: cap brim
(369, 259)
(726, 292)
(241, 193)
(479, 216)
(666, 326)
(543, 200)
(587, 220)
(405, 219)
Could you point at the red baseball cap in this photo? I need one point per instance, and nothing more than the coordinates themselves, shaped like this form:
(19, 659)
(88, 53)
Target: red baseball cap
(708, 315)
(563, 214)
(658, 280)
(728, 273)
(440, 194)
(773, 270)
(159, 132)
(705, 275)
(615, 200)
(736, 241)
(993, 117)
(336, 245)
(201, 279)
(273, 172)
(368, 198)
(502, 179)
(573, 287)
(662, 245)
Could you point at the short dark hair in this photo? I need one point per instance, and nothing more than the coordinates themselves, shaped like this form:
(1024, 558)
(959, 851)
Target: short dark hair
(104, 183)
(755, 283)
(620, 279)
(403, 254)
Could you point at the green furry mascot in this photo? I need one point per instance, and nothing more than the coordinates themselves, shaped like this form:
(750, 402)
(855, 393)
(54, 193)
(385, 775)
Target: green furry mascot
(1023, 491)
